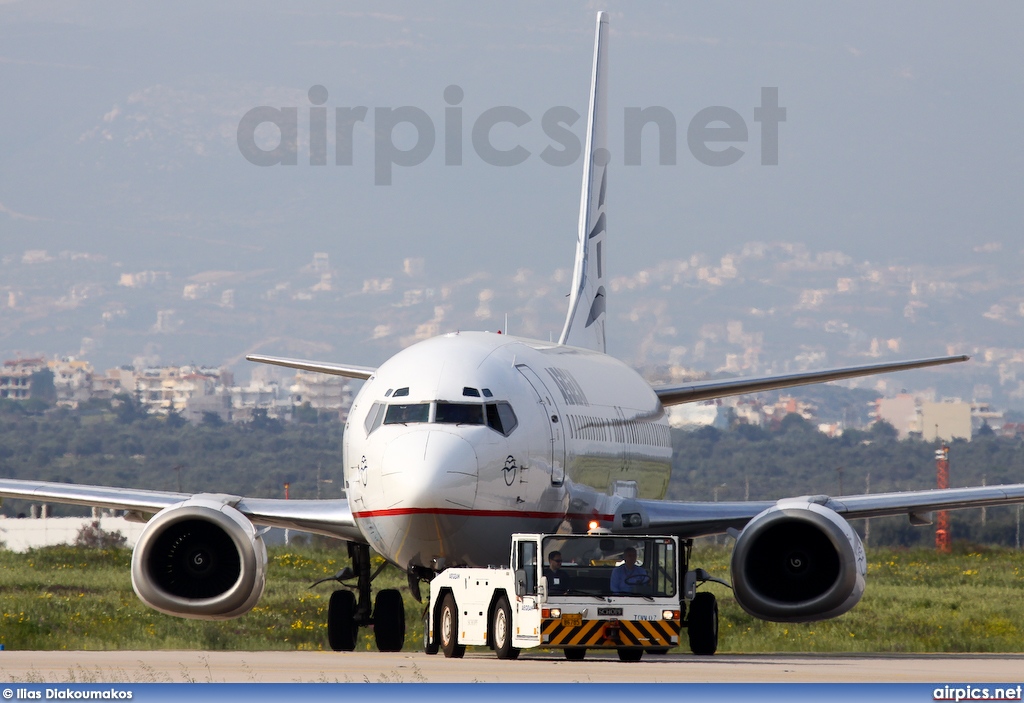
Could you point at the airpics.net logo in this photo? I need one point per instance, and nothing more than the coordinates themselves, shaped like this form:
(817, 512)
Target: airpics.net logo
(715, 135)
(977, 693)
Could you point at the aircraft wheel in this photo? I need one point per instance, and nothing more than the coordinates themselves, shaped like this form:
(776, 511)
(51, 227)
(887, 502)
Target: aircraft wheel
(702, 624)
(389, 620)
(501, 626)
(341, 621)
(449, 627)
(575, 654)
(430, 646)
(630, 655)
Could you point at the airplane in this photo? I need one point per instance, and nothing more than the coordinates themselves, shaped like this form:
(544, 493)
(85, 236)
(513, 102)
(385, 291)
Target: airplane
(459, 441)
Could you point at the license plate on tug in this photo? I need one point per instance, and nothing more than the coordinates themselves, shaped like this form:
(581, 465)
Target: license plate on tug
(572, 619)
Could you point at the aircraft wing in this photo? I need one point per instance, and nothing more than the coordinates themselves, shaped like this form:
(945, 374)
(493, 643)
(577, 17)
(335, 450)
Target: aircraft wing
(698, 519)
(348, 370)
(706, 390)
(327, 517)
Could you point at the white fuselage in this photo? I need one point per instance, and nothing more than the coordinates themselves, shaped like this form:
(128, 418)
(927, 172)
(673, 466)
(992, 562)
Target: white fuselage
(439, 472)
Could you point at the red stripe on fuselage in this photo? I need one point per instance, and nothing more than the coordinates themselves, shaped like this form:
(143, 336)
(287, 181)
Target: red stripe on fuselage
(392, 512)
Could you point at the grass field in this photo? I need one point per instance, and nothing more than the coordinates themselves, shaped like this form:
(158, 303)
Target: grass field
(916, 601)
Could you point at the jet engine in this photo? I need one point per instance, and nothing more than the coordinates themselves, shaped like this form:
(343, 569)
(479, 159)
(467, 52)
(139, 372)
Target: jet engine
(200, 559)
(798, 561)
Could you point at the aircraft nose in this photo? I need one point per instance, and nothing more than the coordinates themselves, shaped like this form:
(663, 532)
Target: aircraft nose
(429, 481)
(429, 469)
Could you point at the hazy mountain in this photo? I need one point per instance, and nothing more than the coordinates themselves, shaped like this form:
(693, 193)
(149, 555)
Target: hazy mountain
(889, 227)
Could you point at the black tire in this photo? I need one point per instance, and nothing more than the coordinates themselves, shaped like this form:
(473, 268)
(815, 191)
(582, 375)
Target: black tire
(389, 621)
(430, 647)
(657, 650)
(501, 630)
(449, 629)
(702, 625)
(575, 654)
(341, 621)
(630, 655)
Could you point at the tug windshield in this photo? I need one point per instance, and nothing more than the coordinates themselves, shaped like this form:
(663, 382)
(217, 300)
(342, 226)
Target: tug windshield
(605, 565)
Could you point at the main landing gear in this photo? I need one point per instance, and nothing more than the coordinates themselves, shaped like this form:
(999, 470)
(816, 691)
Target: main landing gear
(702, 623)
(702, 619)
(348, 610)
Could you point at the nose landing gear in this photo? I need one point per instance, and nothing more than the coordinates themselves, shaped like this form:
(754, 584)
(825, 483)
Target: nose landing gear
(347, 611)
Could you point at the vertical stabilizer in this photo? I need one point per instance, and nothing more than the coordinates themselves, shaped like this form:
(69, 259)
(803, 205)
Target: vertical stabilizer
(584, 324)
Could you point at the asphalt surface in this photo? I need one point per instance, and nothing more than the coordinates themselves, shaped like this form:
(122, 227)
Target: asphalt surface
(483, 667)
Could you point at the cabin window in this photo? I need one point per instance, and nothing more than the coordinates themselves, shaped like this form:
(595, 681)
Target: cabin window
(501, 418)
(459, 414)
(400, 414)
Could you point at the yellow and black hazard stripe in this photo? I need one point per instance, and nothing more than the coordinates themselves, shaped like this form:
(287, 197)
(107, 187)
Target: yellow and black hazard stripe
(611, 633)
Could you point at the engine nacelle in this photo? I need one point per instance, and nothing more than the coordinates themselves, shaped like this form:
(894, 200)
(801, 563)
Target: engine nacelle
(200, 559)
(796, 562)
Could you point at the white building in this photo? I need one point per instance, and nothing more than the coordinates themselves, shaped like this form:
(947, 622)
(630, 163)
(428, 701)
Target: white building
(322, 392)
(72, 379)
(946, 420)
(22, 534)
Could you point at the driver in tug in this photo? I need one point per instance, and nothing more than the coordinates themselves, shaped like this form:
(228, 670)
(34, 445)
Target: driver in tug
(628, 577)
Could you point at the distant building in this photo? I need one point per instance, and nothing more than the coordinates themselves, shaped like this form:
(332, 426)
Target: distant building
(172, 388)
(259, 394)
(788, 405)
(749, 412)
(190, 390)
(22, 534)
(143, 278)
(114, 382)
(691, 416)
(216, 403)
(901, 412)
(982, 414)
(946, 420)
(1011, 429)
(830, 429)
(16, 378)
(322, 391)
(72, 379)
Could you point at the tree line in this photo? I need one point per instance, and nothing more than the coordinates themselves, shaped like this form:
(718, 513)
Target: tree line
(118, 443)
(795, 459)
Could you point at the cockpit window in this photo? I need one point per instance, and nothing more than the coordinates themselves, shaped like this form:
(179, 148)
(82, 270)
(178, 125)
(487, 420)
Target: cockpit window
(374, 417)
(498, 416)
(501, 418)
(459, 413)
(400, 414)
(401, 391)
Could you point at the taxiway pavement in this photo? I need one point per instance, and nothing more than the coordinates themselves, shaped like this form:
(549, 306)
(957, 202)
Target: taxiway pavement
(483, 667)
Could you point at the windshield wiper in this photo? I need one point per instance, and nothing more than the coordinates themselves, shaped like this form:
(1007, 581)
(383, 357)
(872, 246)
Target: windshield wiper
(577, 592)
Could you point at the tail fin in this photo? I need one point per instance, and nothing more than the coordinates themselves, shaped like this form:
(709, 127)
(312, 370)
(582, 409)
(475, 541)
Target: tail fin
(584, 324)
